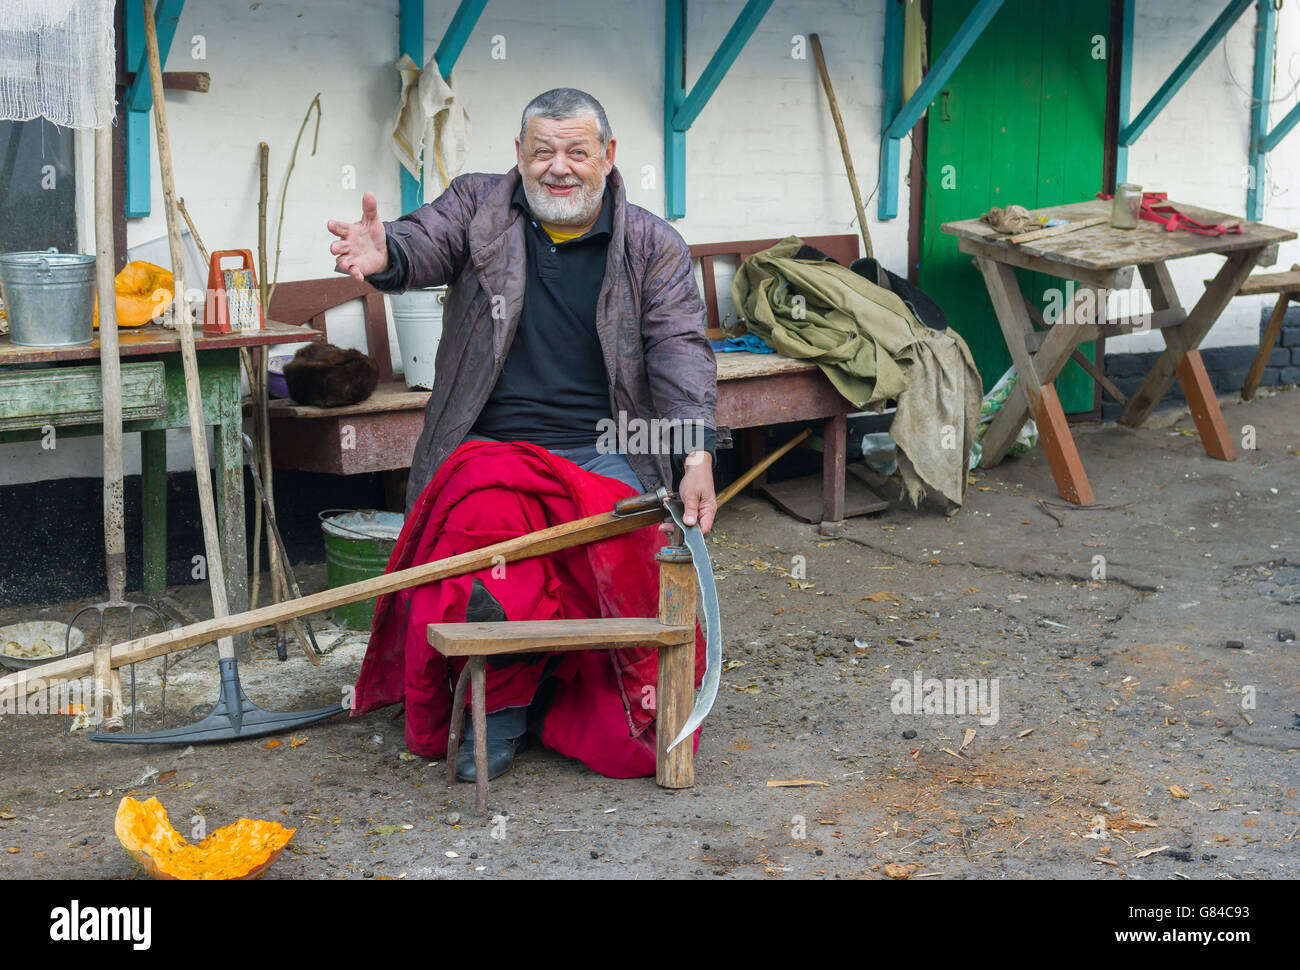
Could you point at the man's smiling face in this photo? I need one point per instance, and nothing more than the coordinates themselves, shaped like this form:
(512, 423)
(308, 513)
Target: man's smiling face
(564, 168)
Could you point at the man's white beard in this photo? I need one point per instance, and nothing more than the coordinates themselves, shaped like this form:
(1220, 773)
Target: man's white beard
(576, 209)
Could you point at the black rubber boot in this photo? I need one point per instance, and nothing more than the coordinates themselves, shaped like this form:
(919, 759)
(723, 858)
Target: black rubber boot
(500, 758)
(483, 607)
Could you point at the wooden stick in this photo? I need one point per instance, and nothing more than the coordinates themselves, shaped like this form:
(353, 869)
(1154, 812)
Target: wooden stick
(1098, 375)
(284, 189)
(289, 588)
(730, 491)
(457, 723)
(216, 569)
(844, 140)
(1033, 235)
(594, 528)
(110, 367)
(261, 409)
(108, 716)
(263, 168)
(255, 373)
(251, 373)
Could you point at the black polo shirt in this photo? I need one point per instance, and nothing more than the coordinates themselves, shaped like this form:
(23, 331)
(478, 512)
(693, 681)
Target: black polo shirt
(553, 389)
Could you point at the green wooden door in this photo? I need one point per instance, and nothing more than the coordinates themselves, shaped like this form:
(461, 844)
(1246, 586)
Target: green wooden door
(1021, 121)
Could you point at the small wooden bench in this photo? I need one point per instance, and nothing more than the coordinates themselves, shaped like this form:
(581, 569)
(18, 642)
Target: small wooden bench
(671, 633)
(379, 434)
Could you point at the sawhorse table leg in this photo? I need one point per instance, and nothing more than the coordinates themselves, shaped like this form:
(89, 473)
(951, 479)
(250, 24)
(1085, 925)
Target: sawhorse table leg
(1181, 359)
(1035, 392)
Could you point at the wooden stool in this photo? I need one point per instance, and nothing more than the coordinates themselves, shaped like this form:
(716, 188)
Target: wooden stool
(672, 632)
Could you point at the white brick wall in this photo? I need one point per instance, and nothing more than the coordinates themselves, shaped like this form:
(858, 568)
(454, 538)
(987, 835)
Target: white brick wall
(1196, 148)
(762, 158)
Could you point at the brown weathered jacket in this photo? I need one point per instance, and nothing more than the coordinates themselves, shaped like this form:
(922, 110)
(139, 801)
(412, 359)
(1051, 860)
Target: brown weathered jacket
(649, 316)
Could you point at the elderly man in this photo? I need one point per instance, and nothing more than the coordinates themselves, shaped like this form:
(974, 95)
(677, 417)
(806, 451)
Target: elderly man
(570, 313)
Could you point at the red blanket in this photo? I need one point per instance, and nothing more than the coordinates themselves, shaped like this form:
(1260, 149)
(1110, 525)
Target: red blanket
(602, 711)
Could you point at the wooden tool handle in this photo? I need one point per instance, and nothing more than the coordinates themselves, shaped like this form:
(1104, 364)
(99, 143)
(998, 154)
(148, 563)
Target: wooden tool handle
(594, 528)
(731, 490)
(816, 43)
(198, 423)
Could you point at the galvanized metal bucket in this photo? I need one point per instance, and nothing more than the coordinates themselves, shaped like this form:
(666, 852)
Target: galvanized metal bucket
(50, 298)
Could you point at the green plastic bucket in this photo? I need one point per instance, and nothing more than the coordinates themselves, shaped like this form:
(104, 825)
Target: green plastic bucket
(358, 545)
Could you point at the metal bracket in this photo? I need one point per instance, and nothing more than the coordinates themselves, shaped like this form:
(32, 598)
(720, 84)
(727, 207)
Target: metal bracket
(681, 109)
(410, 40)
(898, 121)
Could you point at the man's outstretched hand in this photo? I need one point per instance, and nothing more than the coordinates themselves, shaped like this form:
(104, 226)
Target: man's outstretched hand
(362, 247)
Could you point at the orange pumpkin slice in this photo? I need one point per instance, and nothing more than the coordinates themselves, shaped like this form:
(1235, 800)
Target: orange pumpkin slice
(243, 850)
(144, 291)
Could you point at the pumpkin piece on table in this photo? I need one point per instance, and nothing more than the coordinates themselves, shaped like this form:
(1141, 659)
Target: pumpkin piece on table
(144, 291)
(243, 850)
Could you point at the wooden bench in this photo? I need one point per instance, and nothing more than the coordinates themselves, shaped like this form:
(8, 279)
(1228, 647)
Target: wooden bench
(757, 390)
(379, 434)
(1287, 288)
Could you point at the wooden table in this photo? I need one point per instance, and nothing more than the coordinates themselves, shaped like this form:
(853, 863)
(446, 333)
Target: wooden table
(67, 399)
(1101, 259)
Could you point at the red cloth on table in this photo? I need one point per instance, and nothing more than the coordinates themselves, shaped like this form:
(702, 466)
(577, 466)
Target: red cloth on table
(485, 492)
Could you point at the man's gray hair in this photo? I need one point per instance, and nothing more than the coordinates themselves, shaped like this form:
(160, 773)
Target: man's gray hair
(559, 104)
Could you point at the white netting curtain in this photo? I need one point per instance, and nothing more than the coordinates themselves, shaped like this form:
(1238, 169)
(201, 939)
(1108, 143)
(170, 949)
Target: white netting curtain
(57, 61)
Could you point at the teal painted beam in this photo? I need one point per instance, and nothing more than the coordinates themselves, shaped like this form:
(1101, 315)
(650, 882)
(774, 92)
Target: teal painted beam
(1280, 130)
(138, 100)
(1261, 94)
(410, 41)
(1186, 68)
(1125, 89)
(139, 96)
(136, 124)
(890, 104)
(942, 69)
(674, 95)
(910, 113)
(682, 108)
(457, 35)
(720, 63)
